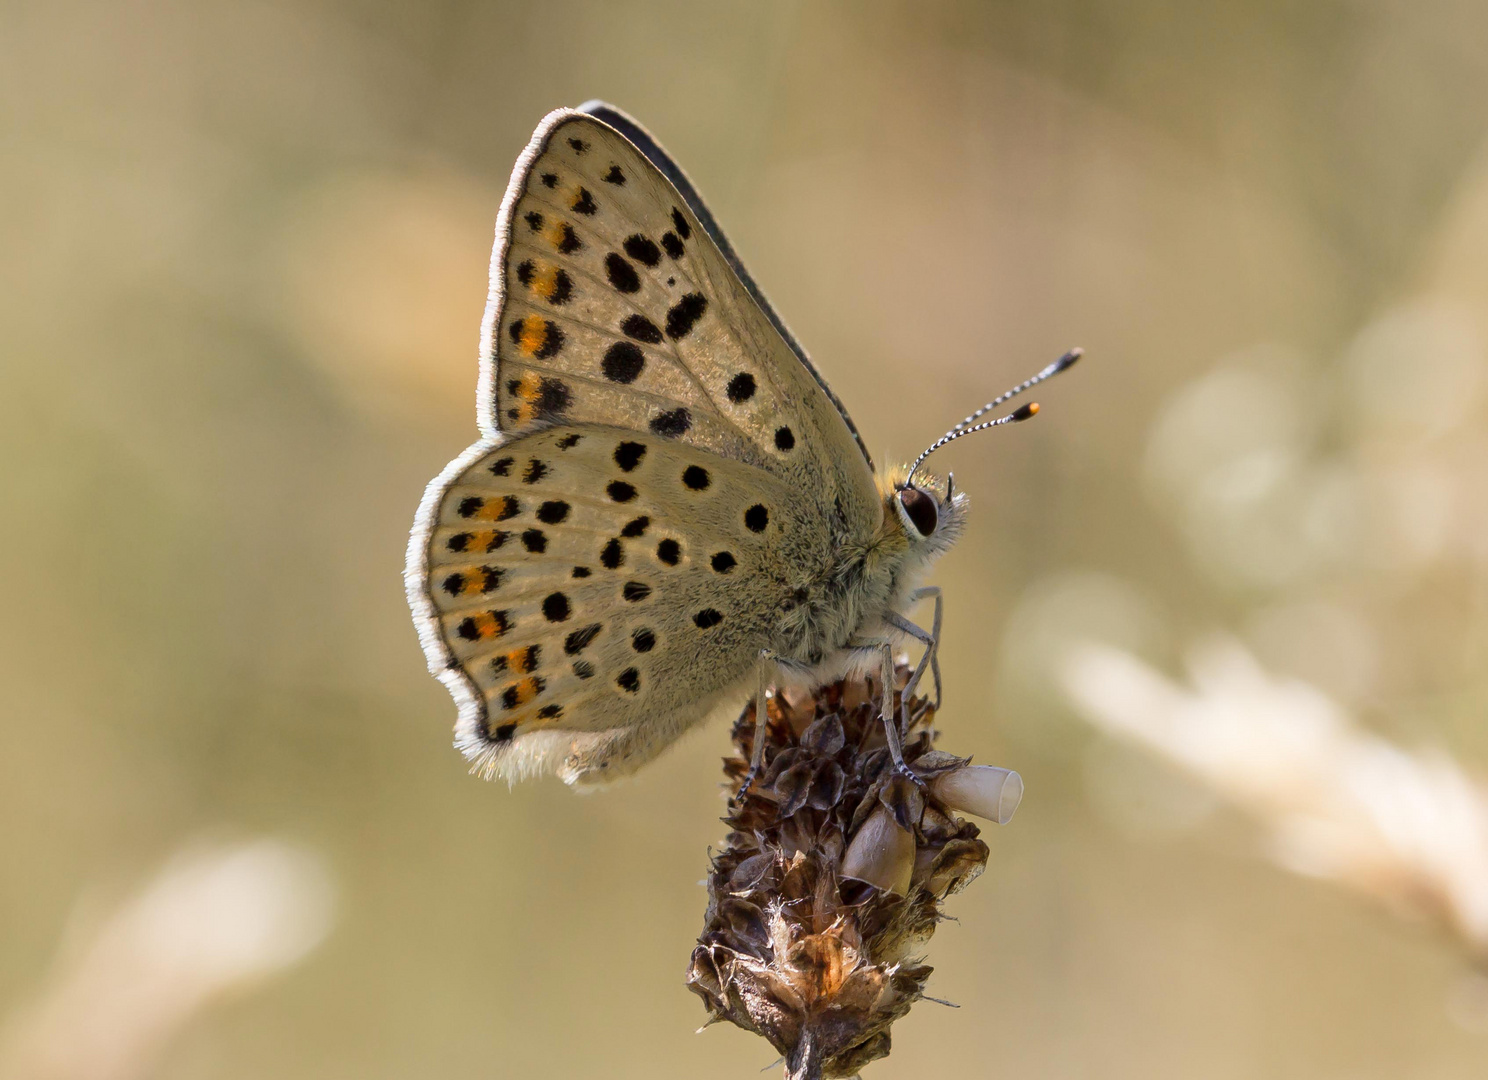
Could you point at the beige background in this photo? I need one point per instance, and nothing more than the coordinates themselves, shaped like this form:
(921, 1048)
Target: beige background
(240, 290)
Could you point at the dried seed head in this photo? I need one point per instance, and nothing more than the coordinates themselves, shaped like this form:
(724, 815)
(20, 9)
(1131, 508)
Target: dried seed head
(832, 875)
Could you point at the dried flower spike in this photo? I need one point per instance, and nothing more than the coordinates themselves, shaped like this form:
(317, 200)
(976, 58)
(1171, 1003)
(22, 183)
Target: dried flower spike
(832, 875)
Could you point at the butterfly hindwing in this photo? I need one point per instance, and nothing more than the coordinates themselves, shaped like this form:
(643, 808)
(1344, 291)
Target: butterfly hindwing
(588, 578)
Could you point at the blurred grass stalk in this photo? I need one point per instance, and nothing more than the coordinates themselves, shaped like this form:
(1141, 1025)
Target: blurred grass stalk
(1409, 830)
(215, 919)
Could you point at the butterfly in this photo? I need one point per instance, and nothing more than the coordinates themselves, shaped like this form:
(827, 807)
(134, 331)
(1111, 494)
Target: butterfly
(667, 507)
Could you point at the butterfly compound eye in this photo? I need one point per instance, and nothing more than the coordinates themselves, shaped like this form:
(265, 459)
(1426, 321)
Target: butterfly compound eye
(921, 510)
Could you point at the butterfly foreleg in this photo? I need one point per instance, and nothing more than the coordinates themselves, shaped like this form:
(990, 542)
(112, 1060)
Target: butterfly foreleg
(766, 662)
(930, 639)
(886, 711)
(927, 593)
(884, 650)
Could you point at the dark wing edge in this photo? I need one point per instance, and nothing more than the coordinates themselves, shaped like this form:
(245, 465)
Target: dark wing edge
(643, 141)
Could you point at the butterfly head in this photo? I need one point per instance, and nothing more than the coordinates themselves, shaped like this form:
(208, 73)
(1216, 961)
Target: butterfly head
(930, 511)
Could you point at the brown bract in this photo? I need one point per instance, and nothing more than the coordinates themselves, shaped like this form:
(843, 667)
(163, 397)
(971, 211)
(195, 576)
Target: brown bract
(818, 960)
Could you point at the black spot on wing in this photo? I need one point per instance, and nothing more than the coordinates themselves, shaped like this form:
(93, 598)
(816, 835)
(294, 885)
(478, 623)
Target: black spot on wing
(635, 591)
(584, 203)
(612, 555)
(583, 669)
(785, 439)
(673, 246)
(636, 526)
(620, 491)
(642, 329)
(643, 640)
(504, 733)
(723, 562)
(629, 680)
(628, 455)
(535, 471)
(535, 541)
(708, 617)
(555, 607)
(756, 518)
(684, 314)
(550, 712)
(669, 552)
(614, 176)
(579, 145)
(696, 477)
(502, 466)
(579, 640)
(552, 512)
(581, 571)
(622, 275)
(684, 230)
(568, 442)
(643, 249)
(568, 241)
(550, 180)
(534, 220)
(623, 362)
(741, 388)
(672, 424)
(553, 398)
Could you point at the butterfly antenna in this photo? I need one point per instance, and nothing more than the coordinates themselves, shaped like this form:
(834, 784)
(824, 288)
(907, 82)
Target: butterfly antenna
(970, 425)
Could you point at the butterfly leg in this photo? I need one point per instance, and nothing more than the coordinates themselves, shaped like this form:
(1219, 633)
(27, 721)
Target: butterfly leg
(886, 713)
(930, 640)
(927, 593)
(761, 718)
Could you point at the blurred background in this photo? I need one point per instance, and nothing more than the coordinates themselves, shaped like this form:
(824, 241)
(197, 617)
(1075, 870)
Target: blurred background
(240, 290)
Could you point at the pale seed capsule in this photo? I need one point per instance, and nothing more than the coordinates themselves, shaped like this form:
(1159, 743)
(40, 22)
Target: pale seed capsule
(983, 790)
(881, 854)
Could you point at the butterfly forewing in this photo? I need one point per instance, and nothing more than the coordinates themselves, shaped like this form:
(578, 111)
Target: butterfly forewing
(619, 308)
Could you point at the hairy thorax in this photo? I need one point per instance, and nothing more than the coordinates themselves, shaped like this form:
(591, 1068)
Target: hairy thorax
(845, 603)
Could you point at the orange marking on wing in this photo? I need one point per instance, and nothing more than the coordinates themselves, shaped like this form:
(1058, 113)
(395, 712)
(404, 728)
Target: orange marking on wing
(520, 693)
(534, 335)
(497, 509)
(530, 383)
(522, 660)
(528, 387)
(545, 282)
(488, 625)
(479, 580)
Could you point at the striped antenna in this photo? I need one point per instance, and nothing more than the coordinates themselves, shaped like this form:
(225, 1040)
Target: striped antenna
(970, 425)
